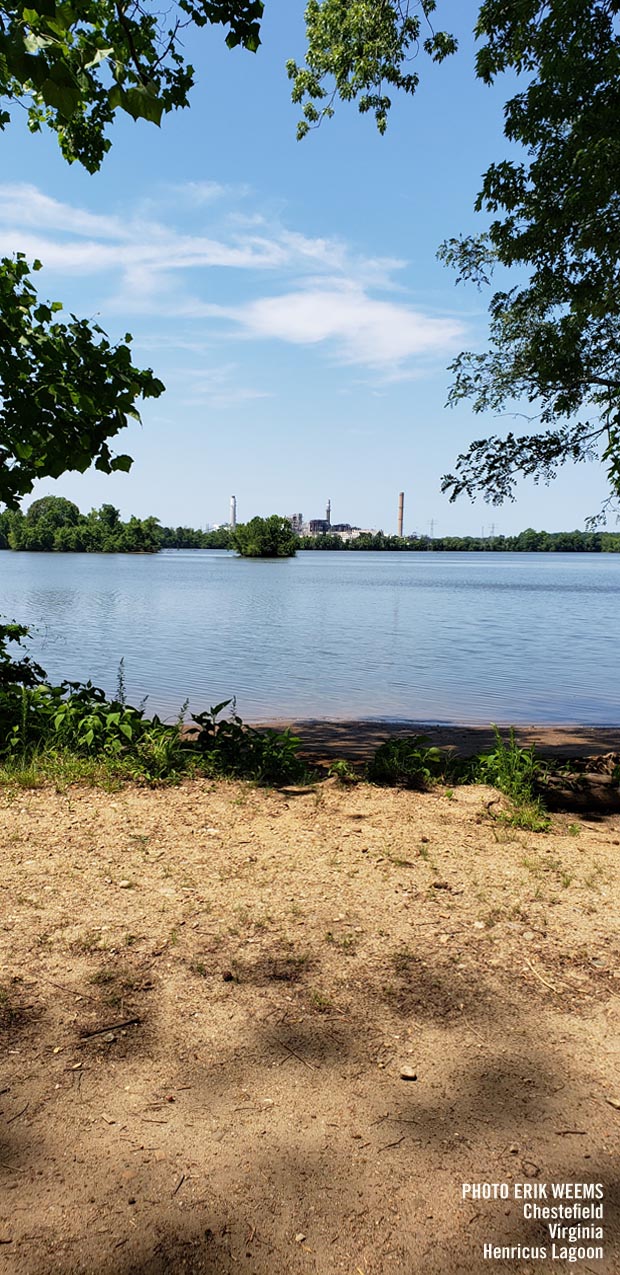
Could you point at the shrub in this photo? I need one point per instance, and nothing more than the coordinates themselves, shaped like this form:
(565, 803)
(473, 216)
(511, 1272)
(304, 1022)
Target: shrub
(408, 762)
(229, 747)
(515, 771)
(43, 724)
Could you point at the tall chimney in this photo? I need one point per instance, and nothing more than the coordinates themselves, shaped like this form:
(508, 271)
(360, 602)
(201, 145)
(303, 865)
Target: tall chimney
(233, 511)
(401, 510)
(328, 513)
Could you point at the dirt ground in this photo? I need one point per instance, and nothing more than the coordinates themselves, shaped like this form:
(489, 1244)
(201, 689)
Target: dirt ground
(264, 1032)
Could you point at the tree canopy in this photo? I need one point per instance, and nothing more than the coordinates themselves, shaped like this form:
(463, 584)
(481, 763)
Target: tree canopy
(74, 67)
(554, 214)
(271, 537)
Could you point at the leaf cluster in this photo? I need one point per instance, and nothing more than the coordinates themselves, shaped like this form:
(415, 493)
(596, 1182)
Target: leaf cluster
(74, 66)
(64, 389)
(359, 50)
(554, 213)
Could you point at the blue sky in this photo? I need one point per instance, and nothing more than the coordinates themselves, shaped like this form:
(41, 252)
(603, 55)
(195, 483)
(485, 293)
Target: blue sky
(287, 293)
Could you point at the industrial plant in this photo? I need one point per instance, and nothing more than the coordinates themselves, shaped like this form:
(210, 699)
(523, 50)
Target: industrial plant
(325, 526)
(321, 526)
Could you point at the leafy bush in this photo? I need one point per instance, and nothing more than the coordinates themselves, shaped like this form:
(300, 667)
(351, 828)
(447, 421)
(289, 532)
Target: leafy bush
(229, 747)
(77, 720)
(408, 762)
(517, 772)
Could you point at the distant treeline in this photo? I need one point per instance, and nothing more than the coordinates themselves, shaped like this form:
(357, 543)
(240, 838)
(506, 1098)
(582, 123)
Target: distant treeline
(528, 541)
(54, 524)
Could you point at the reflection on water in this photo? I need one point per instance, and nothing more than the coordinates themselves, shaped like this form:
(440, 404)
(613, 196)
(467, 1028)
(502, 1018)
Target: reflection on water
(423, 637)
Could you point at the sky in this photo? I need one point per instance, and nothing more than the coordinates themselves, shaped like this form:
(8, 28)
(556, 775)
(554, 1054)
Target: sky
(287, 293)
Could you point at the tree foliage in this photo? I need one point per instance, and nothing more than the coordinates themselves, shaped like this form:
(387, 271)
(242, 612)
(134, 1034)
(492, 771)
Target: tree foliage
(64, 389)
(360, 50)
(271, 537)
(554, 214)
(74, 66)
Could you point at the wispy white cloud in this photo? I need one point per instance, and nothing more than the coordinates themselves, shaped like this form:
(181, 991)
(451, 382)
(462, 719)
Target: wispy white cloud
(22, 204)
(364, 329)
(320, 292)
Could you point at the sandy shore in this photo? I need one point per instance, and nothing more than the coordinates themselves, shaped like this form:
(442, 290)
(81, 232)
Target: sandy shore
(356, 740)
(252, 1032)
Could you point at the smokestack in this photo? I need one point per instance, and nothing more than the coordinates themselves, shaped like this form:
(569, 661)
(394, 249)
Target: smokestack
(401, 510)
(328, 513)
(233, 511)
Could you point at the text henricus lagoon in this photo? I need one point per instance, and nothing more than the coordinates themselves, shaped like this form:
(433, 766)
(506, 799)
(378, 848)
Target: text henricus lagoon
(569, 1215)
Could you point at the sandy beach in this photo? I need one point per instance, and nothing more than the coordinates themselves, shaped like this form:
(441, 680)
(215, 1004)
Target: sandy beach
(274, 1032)
(357, 740)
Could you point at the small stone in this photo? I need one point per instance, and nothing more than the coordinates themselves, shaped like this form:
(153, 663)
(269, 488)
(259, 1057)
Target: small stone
(124, 885)
(528, 935)
(478, 925)
(514, 1150)
(408, 1073)
(300, 1237)
(109, 1038)
(614, 1102)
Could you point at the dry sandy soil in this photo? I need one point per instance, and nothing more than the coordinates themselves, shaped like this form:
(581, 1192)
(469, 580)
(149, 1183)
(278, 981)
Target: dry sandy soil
(210, 993)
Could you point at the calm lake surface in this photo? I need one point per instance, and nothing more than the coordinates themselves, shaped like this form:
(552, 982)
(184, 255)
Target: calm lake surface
(458, 638)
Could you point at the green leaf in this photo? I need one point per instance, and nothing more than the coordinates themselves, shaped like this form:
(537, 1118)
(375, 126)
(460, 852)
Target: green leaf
(64, 98)
(142, 104)
(122, 463)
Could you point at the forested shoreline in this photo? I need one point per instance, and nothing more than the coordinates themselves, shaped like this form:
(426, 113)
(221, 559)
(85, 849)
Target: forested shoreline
(55, 525)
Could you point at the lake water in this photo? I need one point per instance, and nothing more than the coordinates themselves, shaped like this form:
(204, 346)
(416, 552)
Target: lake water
(429, 637)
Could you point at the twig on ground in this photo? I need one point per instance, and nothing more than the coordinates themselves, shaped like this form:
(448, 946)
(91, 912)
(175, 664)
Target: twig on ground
(62, 987)
(294, 1054)
(18, 1114)
(545, 981)
(111, 1027)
